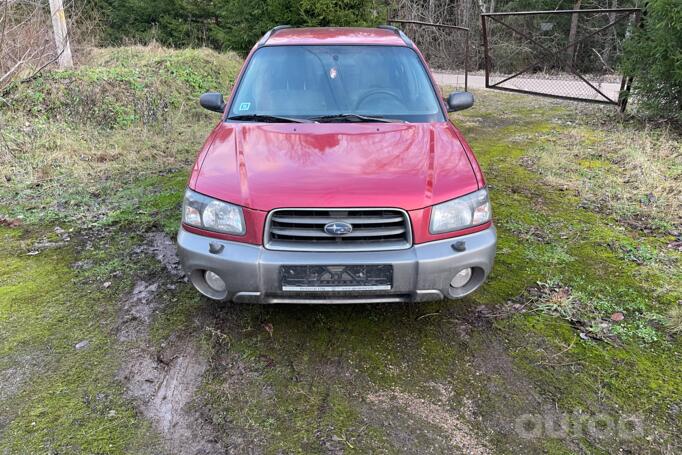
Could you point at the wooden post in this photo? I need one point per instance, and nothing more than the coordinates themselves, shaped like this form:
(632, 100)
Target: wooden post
(61, 37)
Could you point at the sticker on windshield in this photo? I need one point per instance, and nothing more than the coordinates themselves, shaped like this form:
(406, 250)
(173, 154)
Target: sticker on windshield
(333, 73)
(244, 106)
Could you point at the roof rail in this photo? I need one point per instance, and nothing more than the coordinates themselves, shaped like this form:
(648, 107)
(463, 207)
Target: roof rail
(398, 32)
(271, 32)
(393, 28)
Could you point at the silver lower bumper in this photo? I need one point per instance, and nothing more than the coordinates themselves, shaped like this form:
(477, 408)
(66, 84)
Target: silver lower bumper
(420, 273)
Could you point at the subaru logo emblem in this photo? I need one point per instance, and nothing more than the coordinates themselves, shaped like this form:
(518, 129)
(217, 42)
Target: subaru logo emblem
(338, 228)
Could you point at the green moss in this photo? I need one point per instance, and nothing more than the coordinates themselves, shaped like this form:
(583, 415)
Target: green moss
(544, 235)
(592, 164)
(559, 240)
(633, 379)
(64, 399)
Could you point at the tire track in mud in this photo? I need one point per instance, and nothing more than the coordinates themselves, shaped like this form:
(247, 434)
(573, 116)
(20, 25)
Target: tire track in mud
(162, 382)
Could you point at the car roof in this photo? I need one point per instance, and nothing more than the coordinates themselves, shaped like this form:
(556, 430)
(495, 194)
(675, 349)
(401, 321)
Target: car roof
(334, 35)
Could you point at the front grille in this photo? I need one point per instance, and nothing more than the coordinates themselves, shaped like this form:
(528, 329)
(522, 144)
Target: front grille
(304, 230)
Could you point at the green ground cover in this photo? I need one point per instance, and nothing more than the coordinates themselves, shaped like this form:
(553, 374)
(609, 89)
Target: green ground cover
(580, 317)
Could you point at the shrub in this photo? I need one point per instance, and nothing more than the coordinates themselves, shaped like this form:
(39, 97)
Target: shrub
(653, 55)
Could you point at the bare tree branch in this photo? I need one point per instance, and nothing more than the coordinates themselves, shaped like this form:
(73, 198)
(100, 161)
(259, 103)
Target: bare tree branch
(26, 38)
(45, 65)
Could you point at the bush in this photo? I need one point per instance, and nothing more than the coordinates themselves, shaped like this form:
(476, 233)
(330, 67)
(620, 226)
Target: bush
(653, 55)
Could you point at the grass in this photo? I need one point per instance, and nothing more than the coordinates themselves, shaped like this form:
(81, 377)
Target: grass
(576, 246)
(634, 175)
(71, 137)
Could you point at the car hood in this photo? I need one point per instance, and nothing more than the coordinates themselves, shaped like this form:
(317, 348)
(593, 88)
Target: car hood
(266, 166)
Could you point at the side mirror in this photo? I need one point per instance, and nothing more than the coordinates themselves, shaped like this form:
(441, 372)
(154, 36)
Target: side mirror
(213, 101)
(458, 101)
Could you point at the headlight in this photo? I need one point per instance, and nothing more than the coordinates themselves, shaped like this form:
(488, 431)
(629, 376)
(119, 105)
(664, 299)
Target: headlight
(208, 213)
(466, 211)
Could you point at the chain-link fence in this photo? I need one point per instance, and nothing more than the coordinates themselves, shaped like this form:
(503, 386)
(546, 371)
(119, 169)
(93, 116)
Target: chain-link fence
(445, 47)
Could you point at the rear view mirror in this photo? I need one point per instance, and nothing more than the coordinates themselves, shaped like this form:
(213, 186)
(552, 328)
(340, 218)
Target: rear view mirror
(213, 101)
(458, 101)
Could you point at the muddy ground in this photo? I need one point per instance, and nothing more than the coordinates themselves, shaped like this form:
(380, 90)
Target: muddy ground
(165, 381)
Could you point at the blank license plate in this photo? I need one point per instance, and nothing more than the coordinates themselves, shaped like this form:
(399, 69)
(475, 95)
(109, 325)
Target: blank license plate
(336, 278)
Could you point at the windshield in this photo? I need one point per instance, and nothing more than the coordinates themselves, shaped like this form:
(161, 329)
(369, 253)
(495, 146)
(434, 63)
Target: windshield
(307, 82)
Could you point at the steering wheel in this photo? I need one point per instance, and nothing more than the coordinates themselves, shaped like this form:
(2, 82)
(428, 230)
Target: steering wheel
(378, 92)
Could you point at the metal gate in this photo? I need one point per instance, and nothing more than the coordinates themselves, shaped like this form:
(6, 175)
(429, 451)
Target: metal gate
(416, 30)
(569, 54)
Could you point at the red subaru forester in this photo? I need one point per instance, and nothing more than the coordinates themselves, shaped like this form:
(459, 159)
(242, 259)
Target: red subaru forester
(335, 176)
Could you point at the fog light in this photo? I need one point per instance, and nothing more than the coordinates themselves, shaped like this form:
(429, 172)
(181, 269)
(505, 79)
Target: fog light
(214, 281)
(461, 279)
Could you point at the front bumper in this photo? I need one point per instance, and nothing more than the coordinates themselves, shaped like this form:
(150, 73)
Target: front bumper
(420, 273)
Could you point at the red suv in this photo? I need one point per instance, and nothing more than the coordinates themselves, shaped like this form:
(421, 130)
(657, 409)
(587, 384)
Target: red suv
(335, 176)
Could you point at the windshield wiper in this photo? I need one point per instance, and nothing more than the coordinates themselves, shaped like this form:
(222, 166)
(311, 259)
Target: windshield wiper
(267, 118)
(353, 118)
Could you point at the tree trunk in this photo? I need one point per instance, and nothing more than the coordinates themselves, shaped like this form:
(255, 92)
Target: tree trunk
(484, 8)
(572, 34)
(611, 36)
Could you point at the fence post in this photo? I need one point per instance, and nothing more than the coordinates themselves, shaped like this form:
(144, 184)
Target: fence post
(626, 82)
(486, 57)
(61, 36)
(466, 62)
